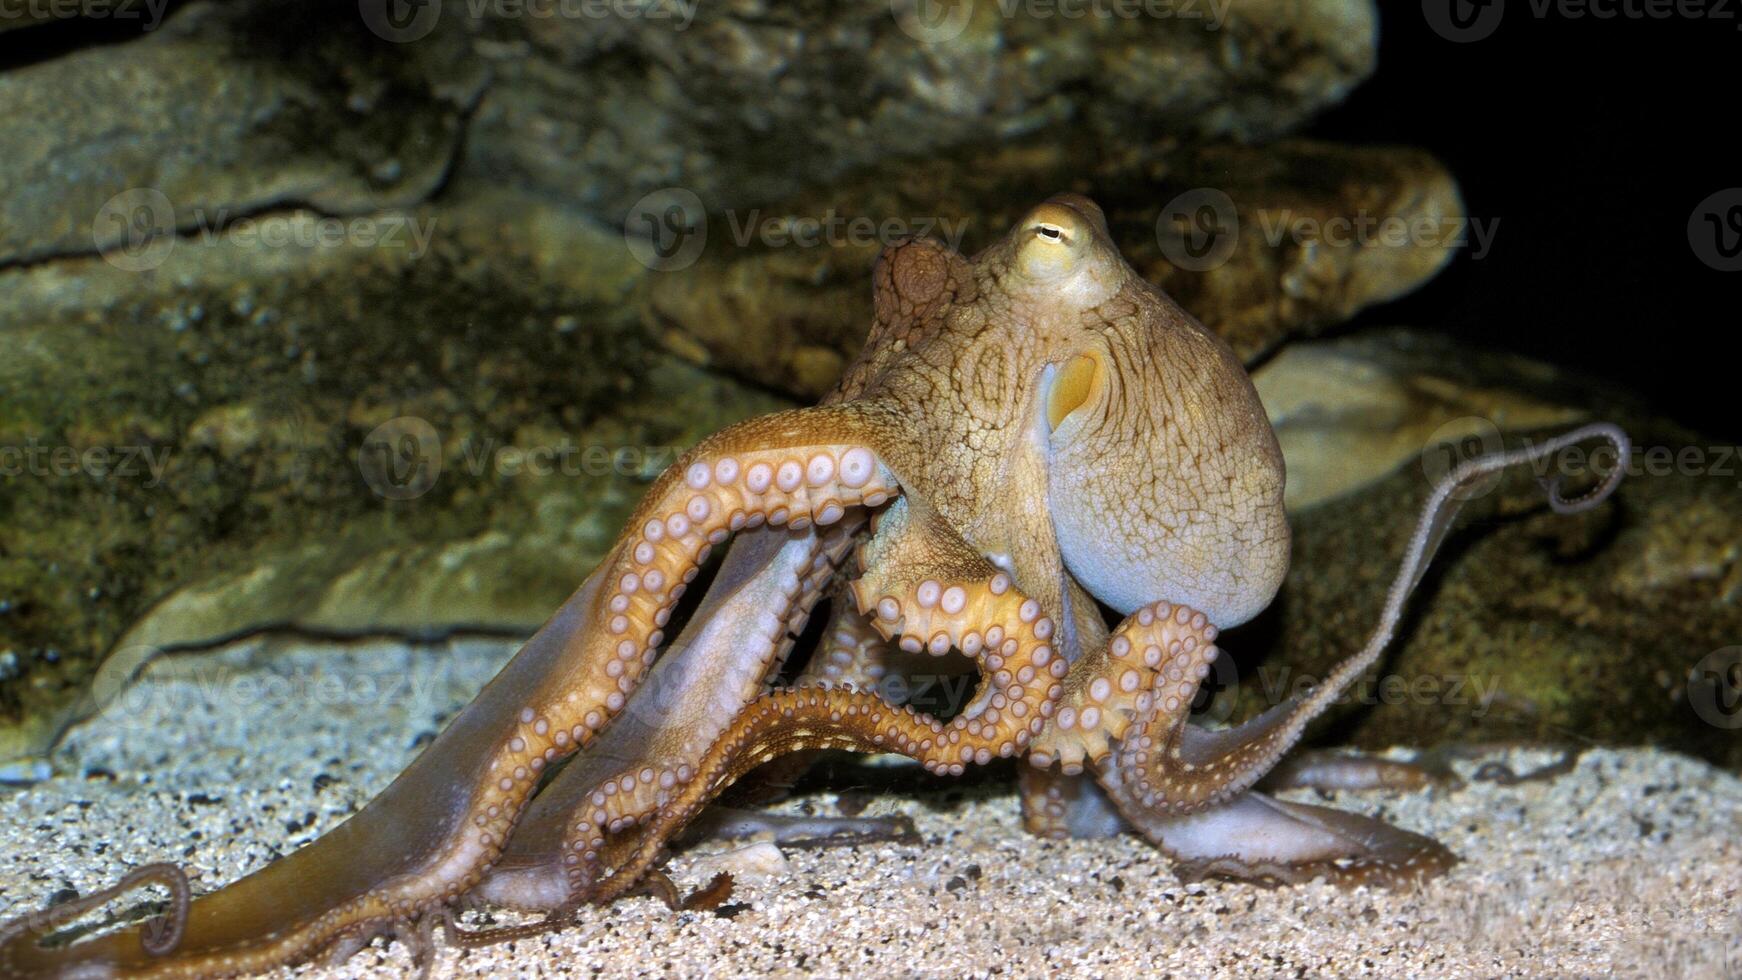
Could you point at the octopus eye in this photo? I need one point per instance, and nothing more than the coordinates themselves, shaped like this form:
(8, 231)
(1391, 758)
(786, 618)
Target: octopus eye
(1056, 243)
(1052, 233)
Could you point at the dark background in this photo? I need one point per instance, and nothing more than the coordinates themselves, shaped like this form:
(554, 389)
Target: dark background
(1592, 141)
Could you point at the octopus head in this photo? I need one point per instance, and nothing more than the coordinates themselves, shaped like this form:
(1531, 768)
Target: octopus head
(1164, 476)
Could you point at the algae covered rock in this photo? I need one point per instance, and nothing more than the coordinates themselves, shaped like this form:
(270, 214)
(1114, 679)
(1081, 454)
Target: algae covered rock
(1615, 626)
(225, 109)
(205, 415)
(219, 112)
(749, 102)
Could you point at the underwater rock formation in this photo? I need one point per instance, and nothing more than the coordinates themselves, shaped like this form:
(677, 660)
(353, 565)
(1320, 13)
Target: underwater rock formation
(753, 102)
(218, 113)
(227, 109)
(205, 418)
(1601, 628)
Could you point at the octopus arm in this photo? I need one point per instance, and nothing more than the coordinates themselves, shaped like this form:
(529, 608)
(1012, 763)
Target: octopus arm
(1256, 837)
(932, 592)
(432, 835)
(767, 585)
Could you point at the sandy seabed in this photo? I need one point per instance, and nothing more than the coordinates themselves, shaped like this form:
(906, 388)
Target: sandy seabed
(1630, 865)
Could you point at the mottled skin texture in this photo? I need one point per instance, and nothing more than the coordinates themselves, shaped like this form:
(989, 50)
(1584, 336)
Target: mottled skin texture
(1028, 436)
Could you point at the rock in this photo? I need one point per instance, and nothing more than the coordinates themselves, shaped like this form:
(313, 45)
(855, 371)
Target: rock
(223, 111)
(1351, 412)
(229, 111)
(748, 863)
(1616, 626)
(183, 442)
(1322, 232)
(754, 101)
(763, 302)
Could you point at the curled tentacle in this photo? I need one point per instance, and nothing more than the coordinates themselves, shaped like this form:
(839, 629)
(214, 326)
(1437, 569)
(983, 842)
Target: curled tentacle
(1150, 669)
(158, 936)
(1177, 768)
(1606, 486)
(986, 618)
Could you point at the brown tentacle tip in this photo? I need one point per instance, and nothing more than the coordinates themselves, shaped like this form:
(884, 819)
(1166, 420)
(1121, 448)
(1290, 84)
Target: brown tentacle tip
(158, 936)
(1502, 774)
(162, 933)
(495, 935)
(710, 896)
(1430, 859)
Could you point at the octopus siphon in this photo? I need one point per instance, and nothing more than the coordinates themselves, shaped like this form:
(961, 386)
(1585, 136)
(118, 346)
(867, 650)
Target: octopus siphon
(1030, 438)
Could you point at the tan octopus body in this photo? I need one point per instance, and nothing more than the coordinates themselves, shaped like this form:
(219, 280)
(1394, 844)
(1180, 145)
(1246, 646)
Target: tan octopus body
(1027, 436)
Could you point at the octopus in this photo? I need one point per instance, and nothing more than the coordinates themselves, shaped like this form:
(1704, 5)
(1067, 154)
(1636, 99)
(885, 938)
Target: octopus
(1034, 443)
